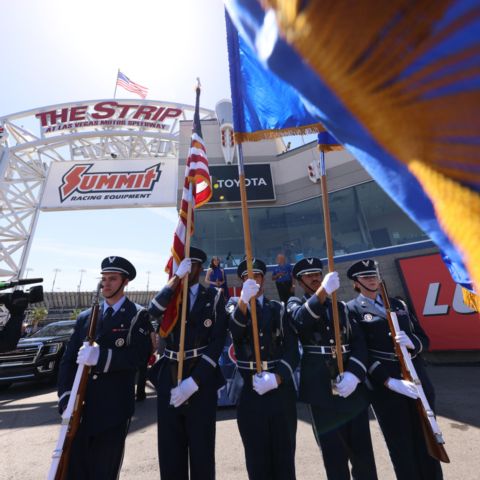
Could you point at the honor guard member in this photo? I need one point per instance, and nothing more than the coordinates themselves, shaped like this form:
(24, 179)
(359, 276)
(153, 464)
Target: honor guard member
(267, 412)
(339, 414)
(393, 398)
(187, 413)
(121, 345)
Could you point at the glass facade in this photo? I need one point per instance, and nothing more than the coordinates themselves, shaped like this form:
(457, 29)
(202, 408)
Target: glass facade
(362, 218)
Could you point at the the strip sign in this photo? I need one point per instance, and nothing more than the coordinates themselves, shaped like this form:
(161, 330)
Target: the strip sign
(108, 113)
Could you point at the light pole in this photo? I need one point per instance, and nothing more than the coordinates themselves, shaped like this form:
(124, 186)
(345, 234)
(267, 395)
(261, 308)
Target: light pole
(77, 304)
(80, 281)
(148, 285)
(60, 297)
(55, 271)
(148, 279)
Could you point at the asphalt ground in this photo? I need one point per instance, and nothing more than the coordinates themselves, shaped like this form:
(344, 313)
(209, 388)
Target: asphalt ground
(29, 426)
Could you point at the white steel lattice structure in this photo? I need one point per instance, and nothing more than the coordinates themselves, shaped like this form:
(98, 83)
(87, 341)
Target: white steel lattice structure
(79, 131)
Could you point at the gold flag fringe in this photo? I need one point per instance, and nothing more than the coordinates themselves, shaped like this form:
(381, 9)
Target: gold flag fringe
(259, 135)
(329, 148)
(471, 300)
(365, 65)
(458, 211)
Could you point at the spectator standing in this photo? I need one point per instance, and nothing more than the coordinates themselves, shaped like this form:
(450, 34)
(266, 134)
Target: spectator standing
(215, 277)
(282, 276)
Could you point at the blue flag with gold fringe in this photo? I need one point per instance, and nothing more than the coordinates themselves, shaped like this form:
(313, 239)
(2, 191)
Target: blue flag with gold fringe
(326, 142)
(400, 90)
(257, 112)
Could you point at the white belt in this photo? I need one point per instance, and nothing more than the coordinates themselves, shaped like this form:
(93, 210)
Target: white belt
(324, 349)
(188, 354)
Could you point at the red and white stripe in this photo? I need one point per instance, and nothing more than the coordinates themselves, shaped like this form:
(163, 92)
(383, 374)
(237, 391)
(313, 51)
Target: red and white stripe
(197, 177)
(133, 87)
(196, 172)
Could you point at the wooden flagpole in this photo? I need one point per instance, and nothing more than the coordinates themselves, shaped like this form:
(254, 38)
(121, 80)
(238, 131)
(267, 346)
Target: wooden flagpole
(331, 267)
(249, 256)
(183, 324)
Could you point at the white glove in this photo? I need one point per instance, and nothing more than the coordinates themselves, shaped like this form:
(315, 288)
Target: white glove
(347, 384)
(264, 382)
(88, 354)
(403, 387)
(184, 267)
(183, 392)
(331, 282)
(249, 290)
(404, 340)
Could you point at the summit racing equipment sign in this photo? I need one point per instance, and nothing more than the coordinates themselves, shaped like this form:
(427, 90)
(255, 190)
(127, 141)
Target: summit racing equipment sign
(110, 183)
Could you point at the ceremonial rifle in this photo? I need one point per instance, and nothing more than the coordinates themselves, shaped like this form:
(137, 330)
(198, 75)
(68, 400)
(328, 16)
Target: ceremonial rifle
(431, 430)
(73, 413)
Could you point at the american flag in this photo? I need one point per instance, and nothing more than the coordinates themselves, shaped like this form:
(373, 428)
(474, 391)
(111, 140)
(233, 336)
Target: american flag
(197, 175)
(124, 82)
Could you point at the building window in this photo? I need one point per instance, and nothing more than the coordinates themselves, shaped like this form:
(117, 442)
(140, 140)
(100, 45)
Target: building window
(362, 218)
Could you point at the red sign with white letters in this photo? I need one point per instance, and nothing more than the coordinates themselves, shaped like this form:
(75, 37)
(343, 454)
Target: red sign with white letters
(108, 113)
(438, 303)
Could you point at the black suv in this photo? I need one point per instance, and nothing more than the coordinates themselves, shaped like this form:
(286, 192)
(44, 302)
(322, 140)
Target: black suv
(36, 357)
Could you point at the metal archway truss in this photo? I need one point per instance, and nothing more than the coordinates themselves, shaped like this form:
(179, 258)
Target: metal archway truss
(27, 150)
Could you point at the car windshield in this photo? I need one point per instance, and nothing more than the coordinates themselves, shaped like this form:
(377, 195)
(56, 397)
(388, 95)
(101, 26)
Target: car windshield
(53, 330)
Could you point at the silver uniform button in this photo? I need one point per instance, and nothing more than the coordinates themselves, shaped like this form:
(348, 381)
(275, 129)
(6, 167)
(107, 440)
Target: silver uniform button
(332, 341)
(95, 377)
(262, 347)
(261, 334)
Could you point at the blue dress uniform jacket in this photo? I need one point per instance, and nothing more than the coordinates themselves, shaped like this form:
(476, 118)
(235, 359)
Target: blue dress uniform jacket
(278, 342)
(206, 329)
(186, 435)
(397, 414)
(267, 423)
(314, 323)
(124, 341)
(340, 425)
(382, 362)
(110, 396)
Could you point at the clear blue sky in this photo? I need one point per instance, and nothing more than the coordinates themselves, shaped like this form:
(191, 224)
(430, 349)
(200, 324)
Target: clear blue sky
(58, 51)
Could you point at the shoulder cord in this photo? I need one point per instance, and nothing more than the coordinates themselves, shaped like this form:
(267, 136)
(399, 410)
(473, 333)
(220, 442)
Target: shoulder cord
(133, 322)
(215, 303)
(347, 322)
